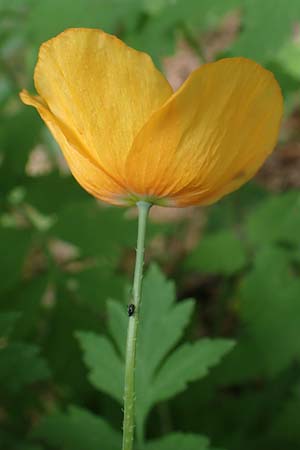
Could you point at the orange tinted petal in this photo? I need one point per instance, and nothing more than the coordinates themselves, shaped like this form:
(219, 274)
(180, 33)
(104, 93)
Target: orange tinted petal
(89, 175)
(101, 90)
(210, 137)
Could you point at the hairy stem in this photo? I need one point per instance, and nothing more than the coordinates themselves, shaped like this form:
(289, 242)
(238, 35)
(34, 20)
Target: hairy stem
(133, 312)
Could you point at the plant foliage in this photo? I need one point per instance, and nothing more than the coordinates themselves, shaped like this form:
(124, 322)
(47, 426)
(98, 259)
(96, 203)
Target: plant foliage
(66, 261)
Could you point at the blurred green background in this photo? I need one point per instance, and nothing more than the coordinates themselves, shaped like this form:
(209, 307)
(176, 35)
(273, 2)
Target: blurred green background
(62, 254)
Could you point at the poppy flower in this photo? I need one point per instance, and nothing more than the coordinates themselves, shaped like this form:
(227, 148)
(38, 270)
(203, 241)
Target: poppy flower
(127, 136)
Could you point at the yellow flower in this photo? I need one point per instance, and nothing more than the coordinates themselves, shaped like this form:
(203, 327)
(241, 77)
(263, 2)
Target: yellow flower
(127, 136)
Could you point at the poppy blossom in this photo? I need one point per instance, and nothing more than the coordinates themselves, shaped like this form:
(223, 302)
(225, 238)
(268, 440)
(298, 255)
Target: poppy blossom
(127, 136)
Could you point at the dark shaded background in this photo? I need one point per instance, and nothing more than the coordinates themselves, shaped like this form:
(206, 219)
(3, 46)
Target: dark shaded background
(62, 254)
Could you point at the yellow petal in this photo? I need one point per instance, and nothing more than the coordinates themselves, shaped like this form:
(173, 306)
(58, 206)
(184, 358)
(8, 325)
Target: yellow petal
(89, 175)
(210, 137)
(101, 90)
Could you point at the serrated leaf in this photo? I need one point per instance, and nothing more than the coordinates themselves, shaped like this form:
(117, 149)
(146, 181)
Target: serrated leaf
(162, 324)
(162, 320)
(106, 368)
(77, 430)
(179, 441)
(188, 363)
(220, 252)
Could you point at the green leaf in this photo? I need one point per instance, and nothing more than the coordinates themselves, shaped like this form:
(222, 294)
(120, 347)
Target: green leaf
(189, 363)
(25, 446)
(203, 15)
(100, 231)
(234, 208)
(158, 36)
(271, 309)
(18, 135)
(10, 441)
(289, 58)
(287, 83)
(78, 429)
(67, 315)
(179, 441)
(29, 446)
(15, 245)
(60, 191)
(287, 423)
(155, 38)
(107, 283)
(220, 252)
(243, 364)
(277, 219)
(162, 323)
(153, 7)
(7, 323)
(106, 368)
(117, 324)
(47, 18)
(266, 28)
(20, 365)
(26, 300)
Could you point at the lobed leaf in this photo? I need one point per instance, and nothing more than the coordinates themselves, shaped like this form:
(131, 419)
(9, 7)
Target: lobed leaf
(77, 429)
(188, 363)
(161, 371)
(106, 368)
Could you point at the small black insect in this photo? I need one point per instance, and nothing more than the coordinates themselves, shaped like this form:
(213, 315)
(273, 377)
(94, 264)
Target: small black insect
(131, 309)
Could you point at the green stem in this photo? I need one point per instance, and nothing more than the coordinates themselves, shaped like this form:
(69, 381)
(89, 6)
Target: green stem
(129, 390)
